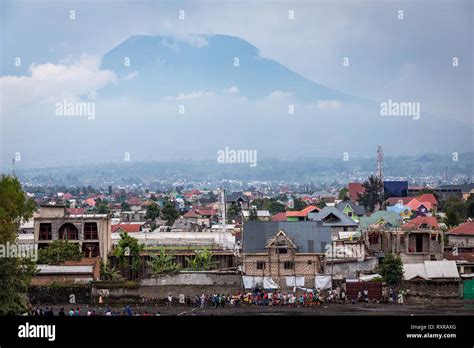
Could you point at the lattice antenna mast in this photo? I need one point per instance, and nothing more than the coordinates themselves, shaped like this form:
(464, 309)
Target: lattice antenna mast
(13, 167)
(223, 209)
(379, 173)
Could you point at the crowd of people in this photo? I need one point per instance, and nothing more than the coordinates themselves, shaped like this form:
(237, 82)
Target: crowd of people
(260, 297)
(256, 297)
(90, 312)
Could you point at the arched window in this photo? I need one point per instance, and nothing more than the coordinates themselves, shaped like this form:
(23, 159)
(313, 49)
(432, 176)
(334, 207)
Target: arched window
(68, 231)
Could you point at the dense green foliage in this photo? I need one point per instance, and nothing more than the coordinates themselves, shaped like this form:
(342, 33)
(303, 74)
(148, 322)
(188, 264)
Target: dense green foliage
(163, 263)
(15, 273)
(128, 252)
(270, 204)
(152, 212)
(169, 213)
(373, 196)
(343, 194)
(391, 269)
(201, 261)
(59, 251)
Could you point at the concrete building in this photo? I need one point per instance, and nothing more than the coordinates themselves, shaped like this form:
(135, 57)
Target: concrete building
(282, 250)
(91, 231)
(462, 237)
(412, 245)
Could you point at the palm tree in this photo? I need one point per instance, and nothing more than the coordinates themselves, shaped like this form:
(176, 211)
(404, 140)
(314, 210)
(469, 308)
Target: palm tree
(373, 196)
(163, 263)
(202, 260)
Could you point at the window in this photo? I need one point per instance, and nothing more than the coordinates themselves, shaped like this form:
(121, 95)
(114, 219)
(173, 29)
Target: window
(68, 231)
(331, 218)
(288, 265)
(402, 239)
(45, 232)
(373, 238)
(310, 262)
(90, 249)
(310, 246)
(282, 250)
(90, 230)
(433, 237)
(349, 213)
(260, 264)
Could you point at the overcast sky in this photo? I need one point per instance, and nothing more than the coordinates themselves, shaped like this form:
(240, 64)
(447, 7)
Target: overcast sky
(407, 58)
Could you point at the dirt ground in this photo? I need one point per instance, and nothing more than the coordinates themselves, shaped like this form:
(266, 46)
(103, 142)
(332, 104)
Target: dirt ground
(438, 308)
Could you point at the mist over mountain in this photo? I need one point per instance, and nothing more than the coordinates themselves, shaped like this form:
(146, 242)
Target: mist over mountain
(189, 98)
(212, 174)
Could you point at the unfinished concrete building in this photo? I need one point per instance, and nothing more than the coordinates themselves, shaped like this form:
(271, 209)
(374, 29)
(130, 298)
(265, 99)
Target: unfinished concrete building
(92, 232)
(414, 245)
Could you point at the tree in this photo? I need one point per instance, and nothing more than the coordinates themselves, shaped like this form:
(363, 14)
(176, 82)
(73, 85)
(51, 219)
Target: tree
(152, 212)
(15, 273)
(169, 213)
(59, 251)
(109, 273)
(128, 253)
(125, 206)
(201, 261)
(343, 194)
(233, 211)
(275, 207)
(163, 263)
(270, 204)
(391, 269)
(253, 215)
(373, 195)
(298, 204)
(452, 217)
(102, 208)
(455, 210)
(470, 206)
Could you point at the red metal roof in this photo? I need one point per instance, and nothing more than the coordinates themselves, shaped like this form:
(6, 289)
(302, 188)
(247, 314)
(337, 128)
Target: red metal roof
(414, 204)
(465, 229)
(422, 220)
(396, 200)
(355, 188)
(304, 212)
(460, 256)
(130, 228)
(90, 202)
(427, 197)
(134, 201)
(76, 211)
(279, 217)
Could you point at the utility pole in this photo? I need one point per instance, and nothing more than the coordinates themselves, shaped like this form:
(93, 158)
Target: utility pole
(379, 173)
(223, 209)
(13, 167)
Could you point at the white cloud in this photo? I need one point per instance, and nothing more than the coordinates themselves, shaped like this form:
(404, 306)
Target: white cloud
(191, 95)
(231, 90)
(131, 75)
(279, 94)
(171, 45)
(52, 82)
(195, 40)
(328, 104)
